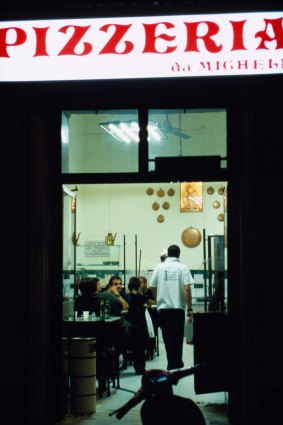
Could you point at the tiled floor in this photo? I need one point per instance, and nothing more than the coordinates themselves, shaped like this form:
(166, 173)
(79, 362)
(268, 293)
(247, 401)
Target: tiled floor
(213, 405)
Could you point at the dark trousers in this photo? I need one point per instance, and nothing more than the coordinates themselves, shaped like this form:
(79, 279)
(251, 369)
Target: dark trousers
(172, 323)
(138, 345)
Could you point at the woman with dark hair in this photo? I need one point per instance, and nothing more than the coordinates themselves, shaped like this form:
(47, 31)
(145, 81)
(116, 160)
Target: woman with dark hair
(87, 300)
(138, 314)
(139, 301)
(137, 298)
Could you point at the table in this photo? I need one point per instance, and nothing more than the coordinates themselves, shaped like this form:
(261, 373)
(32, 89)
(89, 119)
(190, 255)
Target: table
(106, 332)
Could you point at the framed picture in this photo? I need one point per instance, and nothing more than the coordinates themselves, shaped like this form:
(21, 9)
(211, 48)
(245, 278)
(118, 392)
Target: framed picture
(191, 197)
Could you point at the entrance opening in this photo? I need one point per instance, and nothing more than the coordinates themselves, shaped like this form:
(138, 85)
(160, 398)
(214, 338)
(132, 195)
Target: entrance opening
(122, 229)
(127, 206)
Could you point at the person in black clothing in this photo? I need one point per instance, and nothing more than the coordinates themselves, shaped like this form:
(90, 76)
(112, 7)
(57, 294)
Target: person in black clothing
(137, 313)
(88, 300)
(145, 290)
(89, 287)
(131, 335)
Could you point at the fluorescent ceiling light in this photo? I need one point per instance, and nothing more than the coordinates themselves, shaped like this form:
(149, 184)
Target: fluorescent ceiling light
(128, 131)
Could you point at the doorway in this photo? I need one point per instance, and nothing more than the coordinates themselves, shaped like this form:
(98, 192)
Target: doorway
(130, 187)
(131, 214)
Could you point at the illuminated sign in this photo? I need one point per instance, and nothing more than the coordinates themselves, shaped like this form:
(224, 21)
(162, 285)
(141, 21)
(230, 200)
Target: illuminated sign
(142, 47)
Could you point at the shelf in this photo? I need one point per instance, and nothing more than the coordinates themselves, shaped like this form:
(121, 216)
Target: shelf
(106, 264)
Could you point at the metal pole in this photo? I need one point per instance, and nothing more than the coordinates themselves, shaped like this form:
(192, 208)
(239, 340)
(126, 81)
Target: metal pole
(124, 247)
(139, 264)
(76, 288)
(136, 255)
(204, 269)
(209, 267)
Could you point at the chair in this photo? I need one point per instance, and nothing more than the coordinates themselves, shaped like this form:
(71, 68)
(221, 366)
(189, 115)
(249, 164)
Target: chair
(107, 369)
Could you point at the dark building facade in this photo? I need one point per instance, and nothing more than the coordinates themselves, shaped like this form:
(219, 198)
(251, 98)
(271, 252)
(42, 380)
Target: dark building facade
(32, 227)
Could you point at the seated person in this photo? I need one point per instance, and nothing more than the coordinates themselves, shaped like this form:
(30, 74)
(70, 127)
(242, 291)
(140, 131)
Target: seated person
(126, 295)
(123, 292)
(86, 301)
(138, 301)
(130, 334)
(153, 312)
(113, 292)
(152, 301)
(137, 309)
(144, 289)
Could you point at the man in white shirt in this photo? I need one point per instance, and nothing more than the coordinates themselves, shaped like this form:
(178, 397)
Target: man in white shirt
(171, 286)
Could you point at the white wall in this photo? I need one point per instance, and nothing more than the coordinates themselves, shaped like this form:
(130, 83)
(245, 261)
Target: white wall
(126, 209)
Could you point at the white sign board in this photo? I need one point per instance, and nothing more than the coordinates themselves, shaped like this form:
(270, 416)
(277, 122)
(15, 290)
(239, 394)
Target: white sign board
(142, 47)
(96, 249)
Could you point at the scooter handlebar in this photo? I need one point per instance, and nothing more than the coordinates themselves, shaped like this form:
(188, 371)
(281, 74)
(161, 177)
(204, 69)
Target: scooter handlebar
(152, 381)
(136, 399)
(177, 374)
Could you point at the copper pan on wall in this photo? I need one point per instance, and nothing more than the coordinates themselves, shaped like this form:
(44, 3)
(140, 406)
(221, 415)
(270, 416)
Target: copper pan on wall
(191, 237)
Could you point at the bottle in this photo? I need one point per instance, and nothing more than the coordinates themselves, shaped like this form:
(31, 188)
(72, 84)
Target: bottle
(107, 310)
(102, 309)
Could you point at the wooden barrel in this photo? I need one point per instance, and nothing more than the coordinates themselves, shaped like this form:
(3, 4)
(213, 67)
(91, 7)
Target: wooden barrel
(83, 376)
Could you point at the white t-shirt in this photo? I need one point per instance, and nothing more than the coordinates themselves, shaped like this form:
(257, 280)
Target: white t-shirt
(169, 278)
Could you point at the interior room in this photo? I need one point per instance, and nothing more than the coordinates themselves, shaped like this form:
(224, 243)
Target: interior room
(143, 219)
(122, 229)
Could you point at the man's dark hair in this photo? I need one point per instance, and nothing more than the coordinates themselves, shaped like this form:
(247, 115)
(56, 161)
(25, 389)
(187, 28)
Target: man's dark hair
(114, 277)
(174, 251)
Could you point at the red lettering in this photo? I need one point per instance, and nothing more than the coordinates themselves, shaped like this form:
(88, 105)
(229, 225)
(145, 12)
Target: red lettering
(41, 41)
(243, 64)
(20, 39)
(151, 38)
(69, 48)
(238, 41)
(192, 37)
(119, 32)
(275, 65)
(276, 25)
(204, 65)
(159, 37)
